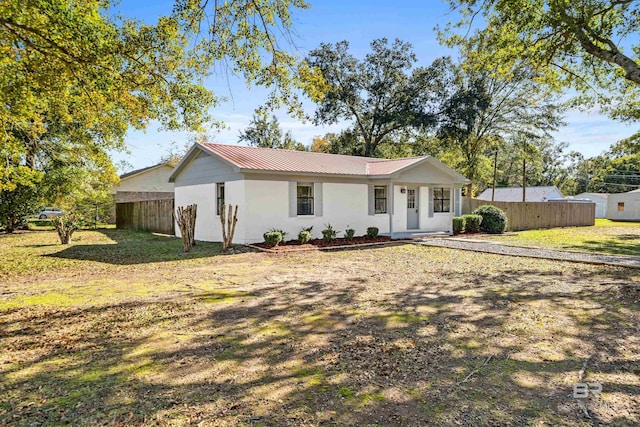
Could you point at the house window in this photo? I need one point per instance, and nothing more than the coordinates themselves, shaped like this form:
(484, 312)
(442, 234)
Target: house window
(380, 195)
(305, 198)
(620, 206)
(219, 197)
(441, 200)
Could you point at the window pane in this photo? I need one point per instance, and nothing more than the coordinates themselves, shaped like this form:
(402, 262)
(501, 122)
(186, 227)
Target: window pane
(381, 205)
(446, 192)
(304, 190)
(305, 206)
(219, 196)
(445, 205)
(380, 199)
(304, 193)
(411, 198)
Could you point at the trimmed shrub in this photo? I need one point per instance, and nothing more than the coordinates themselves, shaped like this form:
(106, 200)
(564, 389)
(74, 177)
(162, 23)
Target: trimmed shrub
(472, 223)
(494, 220)
(458, 224)
(329, 234)
(282, 233)
(372, 232)
(349, 233)
(304, 237)
(272, 238)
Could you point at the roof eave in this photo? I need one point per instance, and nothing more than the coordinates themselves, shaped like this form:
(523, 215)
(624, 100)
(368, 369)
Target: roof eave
(458, 178)
(125, 176)
(303, 173)
(189, 156)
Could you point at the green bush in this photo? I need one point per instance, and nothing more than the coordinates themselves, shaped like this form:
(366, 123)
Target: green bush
(372, 232)
(329, 234)
(458, 224)
(282, 233)
(304, 236)
(349, 233)
(272, 238)
(472, 223)
(494, 220)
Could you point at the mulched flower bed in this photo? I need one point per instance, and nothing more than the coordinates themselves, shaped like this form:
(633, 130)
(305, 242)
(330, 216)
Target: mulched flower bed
(294, 245)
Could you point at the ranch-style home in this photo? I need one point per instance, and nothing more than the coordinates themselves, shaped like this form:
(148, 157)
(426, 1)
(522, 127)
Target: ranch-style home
(291, 190)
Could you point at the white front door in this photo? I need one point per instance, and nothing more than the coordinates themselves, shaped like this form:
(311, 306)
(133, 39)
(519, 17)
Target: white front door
(412, 208)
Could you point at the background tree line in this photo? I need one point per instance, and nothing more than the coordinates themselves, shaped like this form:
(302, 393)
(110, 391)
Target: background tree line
(74, 78)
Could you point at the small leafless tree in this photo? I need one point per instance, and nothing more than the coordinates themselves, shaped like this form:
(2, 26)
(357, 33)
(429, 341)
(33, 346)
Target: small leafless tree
(186, 219)
(228, 223)
(65, 226)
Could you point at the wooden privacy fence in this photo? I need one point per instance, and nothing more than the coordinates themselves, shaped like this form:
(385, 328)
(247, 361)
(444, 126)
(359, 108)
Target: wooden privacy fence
(148, 215)
(534, 215)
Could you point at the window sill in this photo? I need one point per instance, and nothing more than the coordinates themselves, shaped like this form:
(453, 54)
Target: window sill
(305, 216)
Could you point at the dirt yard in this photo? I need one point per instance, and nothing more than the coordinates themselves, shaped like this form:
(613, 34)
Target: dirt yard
(121, 329)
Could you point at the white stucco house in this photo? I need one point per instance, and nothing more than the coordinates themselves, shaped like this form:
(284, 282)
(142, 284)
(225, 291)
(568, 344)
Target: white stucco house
(292, 190)
(624, 206)
(600, 199)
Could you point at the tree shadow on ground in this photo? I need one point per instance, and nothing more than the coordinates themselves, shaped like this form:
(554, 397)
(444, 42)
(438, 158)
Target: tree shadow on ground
(619, 245)
(355, 351)
(130, 247)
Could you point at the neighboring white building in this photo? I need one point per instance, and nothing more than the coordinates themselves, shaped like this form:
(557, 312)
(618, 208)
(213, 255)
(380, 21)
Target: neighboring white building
(514, 194)
(600, 199)
(145, 184)
(292, 190)
(624, 206)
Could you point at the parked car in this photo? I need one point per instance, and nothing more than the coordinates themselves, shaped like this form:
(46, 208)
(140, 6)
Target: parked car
(49, 212)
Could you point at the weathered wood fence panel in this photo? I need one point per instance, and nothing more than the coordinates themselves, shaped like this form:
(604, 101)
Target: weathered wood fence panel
(535, 215)
(148, 215)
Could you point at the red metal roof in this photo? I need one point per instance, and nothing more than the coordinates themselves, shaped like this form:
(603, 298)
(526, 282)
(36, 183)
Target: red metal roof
(270, 159)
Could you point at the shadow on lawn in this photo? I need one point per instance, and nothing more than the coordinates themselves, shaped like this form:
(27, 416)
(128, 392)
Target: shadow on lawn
(319, 352)
(133, 247)
(626, 244)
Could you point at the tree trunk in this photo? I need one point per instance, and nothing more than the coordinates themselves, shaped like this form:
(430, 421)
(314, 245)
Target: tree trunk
(65, 226)
(186, 219)
(228, 223)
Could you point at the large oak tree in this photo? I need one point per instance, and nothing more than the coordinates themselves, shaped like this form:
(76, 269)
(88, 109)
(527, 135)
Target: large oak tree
(381, 95)
(75, 77)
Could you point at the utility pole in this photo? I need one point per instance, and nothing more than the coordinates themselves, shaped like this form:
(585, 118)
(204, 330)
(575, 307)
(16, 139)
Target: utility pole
(495, 174)
(524, 179)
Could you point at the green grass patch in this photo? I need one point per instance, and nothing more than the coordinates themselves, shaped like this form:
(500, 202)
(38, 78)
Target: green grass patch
(608, 237)
(401, 319)
(345, 392)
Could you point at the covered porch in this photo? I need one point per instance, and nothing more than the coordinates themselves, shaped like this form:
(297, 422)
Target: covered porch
(422, 209)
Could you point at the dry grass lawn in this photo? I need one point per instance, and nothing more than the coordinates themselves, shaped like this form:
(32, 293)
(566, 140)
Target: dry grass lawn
(120, 329)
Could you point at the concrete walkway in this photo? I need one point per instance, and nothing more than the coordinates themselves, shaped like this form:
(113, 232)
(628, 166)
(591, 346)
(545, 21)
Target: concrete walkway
(500, 249)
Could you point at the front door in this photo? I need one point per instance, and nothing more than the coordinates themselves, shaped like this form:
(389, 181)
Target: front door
(412, 208)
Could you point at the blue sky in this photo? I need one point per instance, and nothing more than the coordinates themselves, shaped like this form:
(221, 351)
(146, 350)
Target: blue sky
(331, 21)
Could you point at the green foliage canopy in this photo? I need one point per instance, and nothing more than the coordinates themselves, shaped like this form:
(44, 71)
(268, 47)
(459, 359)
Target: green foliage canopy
(382, 95)
(589, 45)
(265, 132)
(74, 77)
